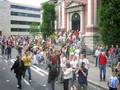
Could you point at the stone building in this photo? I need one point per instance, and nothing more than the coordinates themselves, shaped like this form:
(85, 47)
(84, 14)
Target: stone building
(79, 15)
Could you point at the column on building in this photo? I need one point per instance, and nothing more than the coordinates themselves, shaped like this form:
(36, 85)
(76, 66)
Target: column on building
(63, 16)
(68, 18)
(81, 22)
(91, 34)
(59, 16)
(89, 24)
(95, 13)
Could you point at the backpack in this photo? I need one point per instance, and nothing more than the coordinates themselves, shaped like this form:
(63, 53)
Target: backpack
(20, 67)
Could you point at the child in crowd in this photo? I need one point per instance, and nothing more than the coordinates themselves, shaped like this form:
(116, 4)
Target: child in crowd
(113, 81)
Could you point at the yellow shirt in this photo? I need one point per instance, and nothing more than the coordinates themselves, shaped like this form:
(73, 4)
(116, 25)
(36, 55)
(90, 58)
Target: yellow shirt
(26, 60)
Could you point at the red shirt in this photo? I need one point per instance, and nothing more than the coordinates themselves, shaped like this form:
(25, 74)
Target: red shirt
(53, 59)
(76, 33)
(102, 59)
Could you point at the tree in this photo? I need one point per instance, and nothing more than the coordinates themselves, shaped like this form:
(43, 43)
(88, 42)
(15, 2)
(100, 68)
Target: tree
(48, 25)
(34, 29)
(109, 25)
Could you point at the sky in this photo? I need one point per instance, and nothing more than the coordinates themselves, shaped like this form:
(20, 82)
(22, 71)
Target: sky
(29, 2)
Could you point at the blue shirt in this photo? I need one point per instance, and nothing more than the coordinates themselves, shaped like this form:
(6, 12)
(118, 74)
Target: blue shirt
(113, 82)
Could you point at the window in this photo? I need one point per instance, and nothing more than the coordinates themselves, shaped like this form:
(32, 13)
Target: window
(25, 8)
(19, 30)
(23, 22)
(25, 14)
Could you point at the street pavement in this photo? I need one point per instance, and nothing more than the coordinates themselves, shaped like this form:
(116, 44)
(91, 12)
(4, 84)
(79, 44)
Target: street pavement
(93, 76)
(39, 77)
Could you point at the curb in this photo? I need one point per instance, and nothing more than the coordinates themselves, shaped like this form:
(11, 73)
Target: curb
(98, 85)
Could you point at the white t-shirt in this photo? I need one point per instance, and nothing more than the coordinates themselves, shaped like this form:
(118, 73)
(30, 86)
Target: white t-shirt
(63, 62)
(97, 52)
(77, 51)
(86, 61)
(67, 73)
(74, 63)
(35, 61)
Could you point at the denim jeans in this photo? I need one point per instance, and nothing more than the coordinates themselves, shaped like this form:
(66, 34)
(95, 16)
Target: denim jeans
(102, 72)
(51, 85)
(9, 50)
(29, 71)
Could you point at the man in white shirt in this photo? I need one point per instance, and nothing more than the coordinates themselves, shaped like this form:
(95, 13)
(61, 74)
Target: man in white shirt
(97, 52)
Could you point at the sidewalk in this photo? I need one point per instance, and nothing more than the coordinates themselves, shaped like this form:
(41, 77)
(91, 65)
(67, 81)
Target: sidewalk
(93, 74)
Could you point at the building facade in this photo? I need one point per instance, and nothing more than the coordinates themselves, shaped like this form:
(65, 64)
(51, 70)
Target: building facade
(81, 15)
(15, 19)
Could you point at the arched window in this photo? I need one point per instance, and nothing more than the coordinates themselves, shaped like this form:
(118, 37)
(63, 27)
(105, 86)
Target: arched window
(76, 21)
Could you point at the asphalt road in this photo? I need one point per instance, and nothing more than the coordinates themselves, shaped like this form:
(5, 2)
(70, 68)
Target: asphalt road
(9, 82)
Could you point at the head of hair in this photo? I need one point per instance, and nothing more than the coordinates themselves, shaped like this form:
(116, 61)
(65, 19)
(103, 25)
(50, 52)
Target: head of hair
(18, 57)
(68, 65)
(84, 55)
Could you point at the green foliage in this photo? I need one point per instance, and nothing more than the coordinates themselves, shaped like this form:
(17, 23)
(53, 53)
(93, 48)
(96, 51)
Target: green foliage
(53, 36)
(34, 29)
(47, 26)
(109, 25)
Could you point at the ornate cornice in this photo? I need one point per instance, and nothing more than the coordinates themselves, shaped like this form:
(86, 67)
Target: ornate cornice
(80, 2)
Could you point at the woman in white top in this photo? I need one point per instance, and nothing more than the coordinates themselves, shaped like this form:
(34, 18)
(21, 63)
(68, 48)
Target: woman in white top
(34, 59)
(62, 66)
(83, 59)
(67, 74)
(74, 65)
(62, 60)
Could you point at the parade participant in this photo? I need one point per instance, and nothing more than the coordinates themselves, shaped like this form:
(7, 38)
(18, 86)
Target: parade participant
(102, 65)
(82, 77)
(67, 74)
(34, 58)
(84, 60)
(62, 65)
(9, 47)
(19, 49)
(74, 63)
(113, 81)
(27, 62)
(97, 52)
(19, 68)
(111, 55)
(52, 73)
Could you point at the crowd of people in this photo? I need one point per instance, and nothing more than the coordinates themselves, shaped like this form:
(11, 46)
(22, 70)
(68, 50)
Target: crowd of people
(65, 58)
